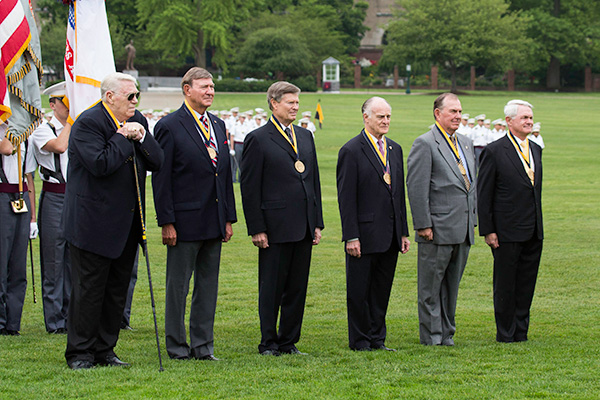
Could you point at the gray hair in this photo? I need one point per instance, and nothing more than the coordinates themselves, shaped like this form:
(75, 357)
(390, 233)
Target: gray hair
(512, 107)
(278, 89)
(368, 104)
(112, 83)
(440, 101)
(193, 74)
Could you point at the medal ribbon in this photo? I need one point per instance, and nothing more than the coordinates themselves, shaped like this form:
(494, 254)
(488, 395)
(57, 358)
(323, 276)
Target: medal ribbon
(114, 119)
(295, 143)
(382, 157)
(525, 159)
(450, 143)
(454, 149)
(518, 148)
(200, 124)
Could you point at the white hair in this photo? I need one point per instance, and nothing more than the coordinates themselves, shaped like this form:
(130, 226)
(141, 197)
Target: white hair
(112, 82)
(512, 107)
(368, 104)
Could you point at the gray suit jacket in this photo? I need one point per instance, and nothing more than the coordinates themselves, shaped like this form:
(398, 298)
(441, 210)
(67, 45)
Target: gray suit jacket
(436, 190)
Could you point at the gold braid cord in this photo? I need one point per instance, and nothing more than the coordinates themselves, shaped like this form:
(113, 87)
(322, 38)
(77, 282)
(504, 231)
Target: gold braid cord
(11, 79)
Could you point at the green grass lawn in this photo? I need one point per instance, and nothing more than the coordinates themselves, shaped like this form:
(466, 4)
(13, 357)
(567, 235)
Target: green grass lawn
(560, 360)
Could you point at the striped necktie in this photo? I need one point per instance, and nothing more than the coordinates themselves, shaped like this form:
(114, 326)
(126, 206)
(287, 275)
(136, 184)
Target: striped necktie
(460, 163)
(209, 143)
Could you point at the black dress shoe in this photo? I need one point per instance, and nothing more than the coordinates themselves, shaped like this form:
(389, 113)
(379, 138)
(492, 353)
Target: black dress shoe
(208, 357)
(294, 350)
(362, 349)
(3, 332)
(112, 361)
(383, 347)
(13, 333)
(125, 326)
(81, 364)
(270, 352)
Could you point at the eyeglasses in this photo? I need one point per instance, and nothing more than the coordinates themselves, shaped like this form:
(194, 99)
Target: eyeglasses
(132, 95)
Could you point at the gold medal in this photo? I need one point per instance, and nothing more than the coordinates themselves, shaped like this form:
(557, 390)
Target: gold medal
(530, 174)
(212, 153)
(387, 178)
(299, 165)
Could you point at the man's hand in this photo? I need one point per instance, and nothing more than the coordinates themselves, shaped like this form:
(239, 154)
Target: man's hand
(491, 239)
(317, 238)
(353, 248)
(132, 130)
(405, 245)
(426, 233)
(169, 235)
(228, 232)
(260, 240)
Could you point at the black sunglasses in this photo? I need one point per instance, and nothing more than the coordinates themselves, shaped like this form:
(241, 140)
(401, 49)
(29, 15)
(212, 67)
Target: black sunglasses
(132, 95)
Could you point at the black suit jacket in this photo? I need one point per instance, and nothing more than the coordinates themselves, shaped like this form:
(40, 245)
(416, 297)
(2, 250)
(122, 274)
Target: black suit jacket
(277, 199)
(370, 210)
(509, 205)
(101, 199)
(188, 191)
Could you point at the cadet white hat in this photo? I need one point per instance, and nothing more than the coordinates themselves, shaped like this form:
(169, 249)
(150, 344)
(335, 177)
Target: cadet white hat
(497, 121)
(304, 121)
(480, 117)
(235, 110)
(465, 116)
(57, 90)
(306, 114)
(536, 127)
(503, 123)
(471, 121)
(259, 110)
(487, 121)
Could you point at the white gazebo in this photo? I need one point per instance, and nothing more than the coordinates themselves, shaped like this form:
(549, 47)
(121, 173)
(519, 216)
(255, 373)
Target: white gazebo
(331, 75)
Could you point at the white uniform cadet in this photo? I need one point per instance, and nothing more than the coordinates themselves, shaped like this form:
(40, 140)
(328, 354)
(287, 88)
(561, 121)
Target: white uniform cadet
(55, 262)
(15, 231)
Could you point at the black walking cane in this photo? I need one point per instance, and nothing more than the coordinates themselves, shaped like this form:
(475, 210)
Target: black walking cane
(145, 249)
(32, 270)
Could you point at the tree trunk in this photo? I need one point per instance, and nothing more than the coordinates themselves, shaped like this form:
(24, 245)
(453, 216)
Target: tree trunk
(453, 71)
(199, 51)
(553, 75)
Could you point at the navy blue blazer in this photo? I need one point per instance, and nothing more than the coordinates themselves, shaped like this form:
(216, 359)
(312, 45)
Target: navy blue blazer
(101, 199)
(508, 204)
(189, 191)
(277, 199)
(370, 210)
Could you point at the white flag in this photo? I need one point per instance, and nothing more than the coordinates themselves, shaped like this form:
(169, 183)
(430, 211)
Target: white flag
(88, 55)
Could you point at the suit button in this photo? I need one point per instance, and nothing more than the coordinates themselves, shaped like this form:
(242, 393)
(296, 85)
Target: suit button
(133, 209)
(216, 174)
(217, 200)
(391, 217)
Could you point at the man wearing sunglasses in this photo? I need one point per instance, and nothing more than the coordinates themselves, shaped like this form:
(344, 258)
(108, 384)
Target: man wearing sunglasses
(101, 217)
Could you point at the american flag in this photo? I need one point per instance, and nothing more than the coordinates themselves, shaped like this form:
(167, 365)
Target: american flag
(88, 54)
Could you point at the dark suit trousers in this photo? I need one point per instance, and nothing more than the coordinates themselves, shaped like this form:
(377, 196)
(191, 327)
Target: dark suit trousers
(516, 266)
(368, 286)
(200, 258)
(98, 295)
(283, 279)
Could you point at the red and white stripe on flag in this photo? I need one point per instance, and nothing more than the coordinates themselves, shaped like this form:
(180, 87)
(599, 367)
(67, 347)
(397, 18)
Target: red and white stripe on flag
(88, 54)
(14, 39)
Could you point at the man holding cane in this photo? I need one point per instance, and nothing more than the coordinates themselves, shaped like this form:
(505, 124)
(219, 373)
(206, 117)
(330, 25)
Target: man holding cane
(101, 217)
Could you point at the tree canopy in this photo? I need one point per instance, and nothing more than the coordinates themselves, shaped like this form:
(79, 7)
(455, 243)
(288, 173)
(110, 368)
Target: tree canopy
(456, 33)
